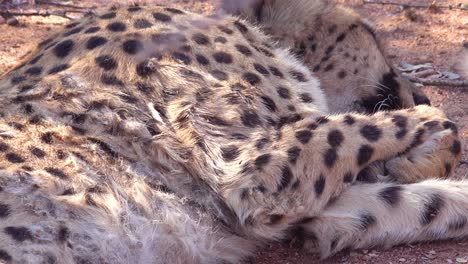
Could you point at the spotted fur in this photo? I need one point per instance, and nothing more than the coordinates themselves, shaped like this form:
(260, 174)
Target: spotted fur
(155, 135)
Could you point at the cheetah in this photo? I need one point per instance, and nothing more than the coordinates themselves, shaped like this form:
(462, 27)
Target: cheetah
(156, 135)
(340, 48)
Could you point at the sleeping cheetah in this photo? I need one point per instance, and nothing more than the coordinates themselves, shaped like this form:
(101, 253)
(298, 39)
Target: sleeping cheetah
(155, 135)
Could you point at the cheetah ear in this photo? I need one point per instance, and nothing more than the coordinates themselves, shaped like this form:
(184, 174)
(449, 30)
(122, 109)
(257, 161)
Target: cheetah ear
(248, 9)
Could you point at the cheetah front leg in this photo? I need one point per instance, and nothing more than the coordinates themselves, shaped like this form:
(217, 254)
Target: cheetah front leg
(386, 214)
(316, 159)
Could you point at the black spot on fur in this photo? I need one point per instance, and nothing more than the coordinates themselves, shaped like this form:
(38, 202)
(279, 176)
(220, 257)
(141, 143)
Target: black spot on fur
(417, 140)
(222, 57)
(220, 40)
(299, 76)
(17, 79)
(283, 92)
(95, 41)
(174, 11)
(142, 23)
(202, 59)
(225, 29)
(304, 136)
(92, 30)
(371, 132)
(269, 103)
(38, 152)
(64, 48)
(450, 125)
(200, 39)
(276, 72)
(45, 42)
(341, 74)
(341, 37)
(367, 220)
(230, 153)
(319, 185)
(391, 195)
(458, 224)
(109, 15)
(132, 46)
(400, 121)
(456, 147)
(34, 71)
(134, 9)
(275, 219)
(58, 68)
(262, 160)
(214, 120)
(293, 154)
(241, 27)
(329, 67)
(366, 175)
(261, 143)
(243, 49)
(364, 154)
(261, 69)
(250, 118)
(63, 234)
(4, 210)
(14, 158)
(448, 169)
(106, 62)
(145, 68)
(36, 59)
(72, 32)
(349, 120)
(335, 138)
(19, 234)
(322, 120)
(219, 75)
(286, 177)
(432, 124)
(238, 136)
(431, 209)
(104, 147)
(161, 17)
(111, 79)
(116, 27)
(251, 78)
(56, 172)
(5, 256)
(3, 147)
(348, 177)
(306, 98)
(330, 157)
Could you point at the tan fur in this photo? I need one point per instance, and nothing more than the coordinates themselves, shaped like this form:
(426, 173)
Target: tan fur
(137, 151)
(341, 48)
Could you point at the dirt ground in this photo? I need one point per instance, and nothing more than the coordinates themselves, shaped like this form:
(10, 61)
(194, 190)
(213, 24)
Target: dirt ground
(415, 36)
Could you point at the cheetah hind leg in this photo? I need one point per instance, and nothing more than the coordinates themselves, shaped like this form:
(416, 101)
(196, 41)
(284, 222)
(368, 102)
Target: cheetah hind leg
(388, 214)
(433, 159)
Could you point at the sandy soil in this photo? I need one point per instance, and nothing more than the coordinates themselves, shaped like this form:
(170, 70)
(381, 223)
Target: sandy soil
(416, 36)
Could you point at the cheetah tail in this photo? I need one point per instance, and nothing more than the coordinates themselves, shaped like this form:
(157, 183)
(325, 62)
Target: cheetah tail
(386, 214)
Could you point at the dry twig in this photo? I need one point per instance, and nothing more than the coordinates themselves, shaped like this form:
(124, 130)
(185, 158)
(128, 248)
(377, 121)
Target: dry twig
(62, 13)
(438, 82)
(415, 5)
(47, 2)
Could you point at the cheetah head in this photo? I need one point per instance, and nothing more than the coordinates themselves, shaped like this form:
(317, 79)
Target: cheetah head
(340, 48)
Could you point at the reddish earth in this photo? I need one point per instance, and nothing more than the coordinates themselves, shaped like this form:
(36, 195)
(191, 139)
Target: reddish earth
(414, 36)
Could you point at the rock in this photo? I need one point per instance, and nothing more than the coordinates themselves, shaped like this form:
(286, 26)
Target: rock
(13, 21)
